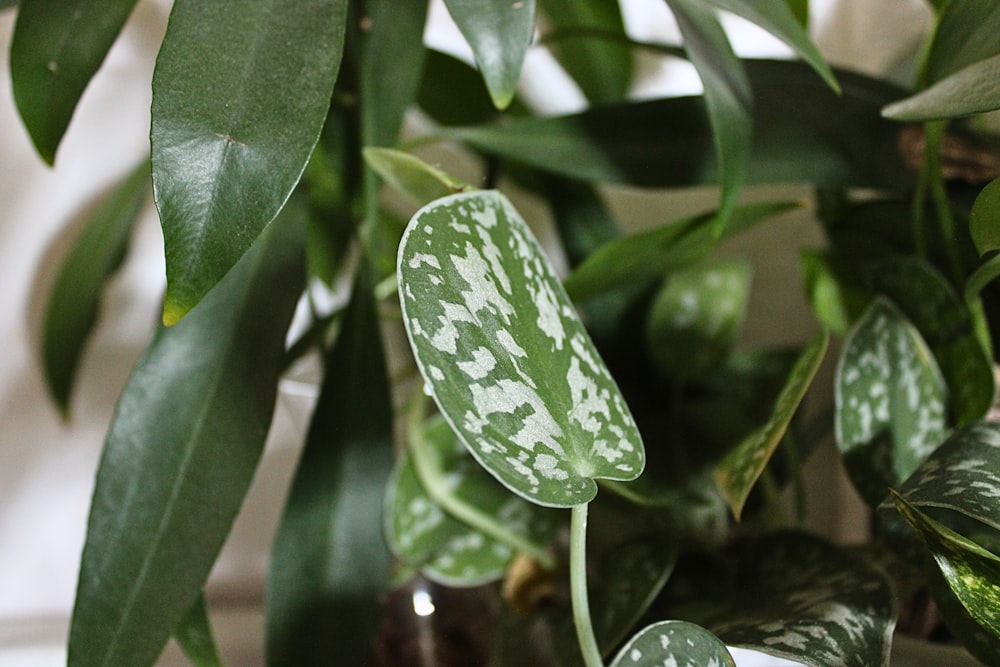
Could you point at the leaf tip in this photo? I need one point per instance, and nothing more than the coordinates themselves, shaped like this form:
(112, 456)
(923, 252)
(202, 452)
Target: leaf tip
(173, 312)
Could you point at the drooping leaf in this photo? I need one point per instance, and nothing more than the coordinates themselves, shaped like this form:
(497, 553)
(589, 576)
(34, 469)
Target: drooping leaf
(984, 221)
(694, 319)
(240, 93)
(972, 89)
(739, 471)
(803, 132)
(602, 68)
(891, 401)
(180, 453)
(194, 634)
(452, 92)
(74, 301)
(505, 356)
(972, 572)
(56, 49)
(727, 93)
(674, 643)
(412, 176)
(836, 294)
(649, 255)
(329, 562)
(964, 35)
(499, 32)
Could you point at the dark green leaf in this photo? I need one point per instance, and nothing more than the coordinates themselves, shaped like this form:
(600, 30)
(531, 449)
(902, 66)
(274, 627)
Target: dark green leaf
(6, 4)
(505, 355)
(800, 9)
(412, 176)
(987, 272)
(984, 221)
(56, 49)
(181, 451)
(741, 468)
(240, 93)
(890, 401)
(804, 132)
(452, 92)
(602, 68)
(972, 89)
(499, 32)
(194, 634)
(583, 222)
(965, 34)
(727, 93)
(75, 299)
(973, 637)
(330, 563)
(836, 294)
(674, 643)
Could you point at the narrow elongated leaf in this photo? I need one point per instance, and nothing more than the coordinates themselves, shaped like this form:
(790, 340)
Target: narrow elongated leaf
(56, 49)
(412, 176)
(180, 454)
(972, 89)
(984, 221)
(964, 35)
(674, 643)
(972, 572)
(739, 471)
(891, 401)
(74, 302)
(803, 132)
(448, 80)
(727, 93)
(240, 93)
(194, 634)
(505, 355)
(800, 9)
(330, 563)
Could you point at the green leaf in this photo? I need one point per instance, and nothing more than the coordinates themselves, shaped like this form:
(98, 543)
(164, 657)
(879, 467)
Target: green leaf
(972, 572)
(835, 293)
(452, 92)
(583, 221)
(330, 563)
(694, 319)
(965, 34)
(601, 68)
(984, 221)
(674, 643)
(180, 454)
(890, 401)
(788, 25)
(240, 93)
(727, 93)
(499, 32)
(971, 90)
(804, 132)
(75, 299)
(974, 639)
(505, 355)
(56, 49)
(412, 176)
(647, 256)
(194, 634)
(738, 472)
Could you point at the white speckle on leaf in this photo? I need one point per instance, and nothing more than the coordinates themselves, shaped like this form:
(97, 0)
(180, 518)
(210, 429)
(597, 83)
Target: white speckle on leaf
(481, 364)
(421, 258)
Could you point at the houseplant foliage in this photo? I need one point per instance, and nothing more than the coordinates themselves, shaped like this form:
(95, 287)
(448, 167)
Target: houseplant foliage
(602, 432)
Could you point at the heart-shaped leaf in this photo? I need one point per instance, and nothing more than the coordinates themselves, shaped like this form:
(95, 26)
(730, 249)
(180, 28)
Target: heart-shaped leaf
(674, 643)
(970, 90)
(505, 355)
(984, 221)
(240, 93)
(891, 401)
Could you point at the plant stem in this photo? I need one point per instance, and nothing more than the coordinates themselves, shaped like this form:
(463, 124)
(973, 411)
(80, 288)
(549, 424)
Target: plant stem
(578, 587)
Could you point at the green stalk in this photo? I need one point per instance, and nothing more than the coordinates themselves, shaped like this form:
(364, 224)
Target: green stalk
(578, 587)
(933, 135)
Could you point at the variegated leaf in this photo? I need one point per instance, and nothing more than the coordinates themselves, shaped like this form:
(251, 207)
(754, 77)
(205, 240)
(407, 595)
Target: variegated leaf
(891, 401)
(506, 357)
(674, 643)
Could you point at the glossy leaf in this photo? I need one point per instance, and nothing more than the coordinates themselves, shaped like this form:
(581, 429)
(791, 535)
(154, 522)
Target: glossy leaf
(984, 221)
(194, 634)
(180, 454)
(329, 562)
(75, 299)
(964, 35)
(447, 80)
(674, 643)
(738, 472)
(602, 68)
(499, 32)
(412, 176)
(727, 93)
(891, 401)
(804, 132)
(972, 572)
(836, 294)
(649, 255)
(56, 49)
(240, 93)
(505, 356)
(694, 319)
(971, 90)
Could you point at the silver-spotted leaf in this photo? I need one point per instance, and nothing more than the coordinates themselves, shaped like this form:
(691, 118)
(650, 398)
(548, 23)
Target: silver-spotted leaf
(506, 357)
(891, 401)
(675, 643)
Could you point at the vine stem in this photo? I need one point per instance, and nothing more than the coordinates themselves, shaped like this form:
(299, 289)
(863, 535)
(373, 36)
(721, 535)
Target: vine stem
(578, 587)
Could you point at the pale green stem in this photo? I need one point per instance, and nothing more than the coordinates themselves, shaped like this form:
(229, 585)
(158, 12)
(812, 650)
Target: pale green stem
(578, 587)
(386, 288)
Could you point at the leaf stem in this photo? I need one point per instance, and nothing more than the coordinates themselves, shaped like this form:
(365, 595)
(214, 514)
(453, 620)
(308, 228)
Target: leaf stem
(578, 587)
